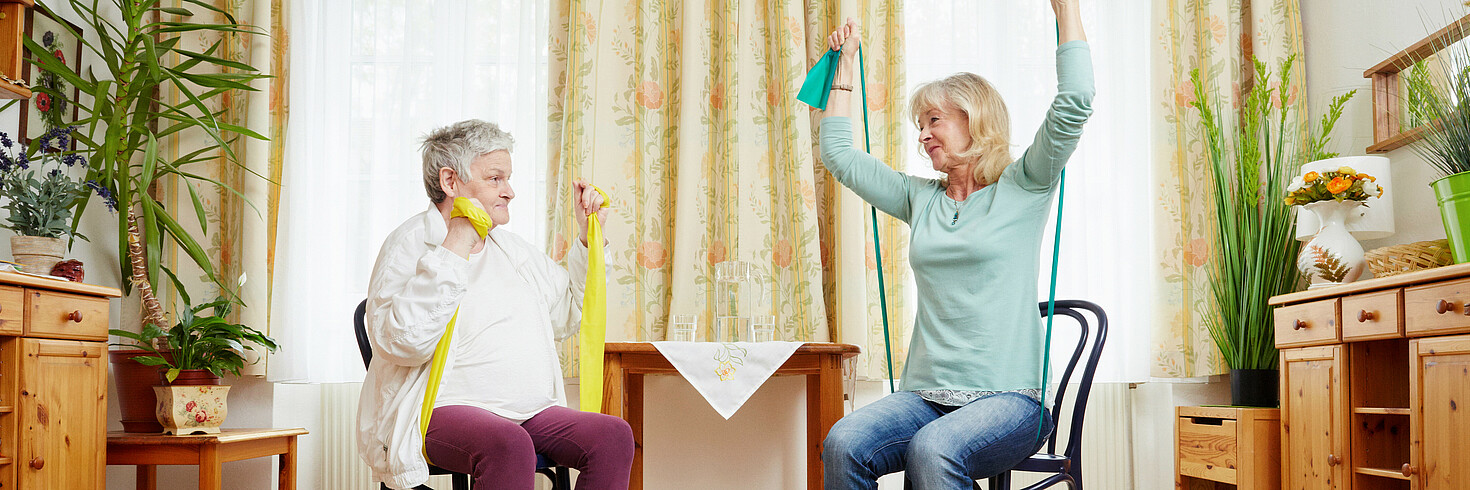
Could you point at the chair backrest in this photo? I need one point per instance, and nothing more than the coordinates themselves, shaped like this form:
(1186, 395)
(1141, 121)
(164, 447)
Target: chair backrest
(1088, 358)
(363, 346)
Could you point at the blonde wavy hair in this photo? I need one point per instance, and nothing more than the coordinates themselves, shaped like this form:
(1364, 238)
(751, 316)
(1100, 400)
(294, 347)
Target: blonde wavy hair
(990, 122)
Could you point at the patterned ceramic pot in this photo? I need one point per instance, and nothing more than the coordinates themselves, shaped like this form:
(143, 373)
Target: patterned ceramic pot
(185, 410)
(1333, 256)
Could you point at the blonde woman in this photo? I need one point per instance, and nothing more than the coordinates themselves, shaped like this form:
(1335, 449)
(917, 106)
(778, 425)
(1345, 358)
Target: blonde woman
(970, 406)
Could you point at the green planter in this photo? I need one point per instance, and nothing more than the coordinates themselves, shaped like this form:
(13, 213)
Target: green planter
(1453, 193)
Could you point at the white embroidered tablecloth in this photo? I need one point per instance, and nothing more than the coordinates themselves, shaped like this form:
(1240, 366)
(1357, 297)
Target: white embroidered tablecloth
(726, 373)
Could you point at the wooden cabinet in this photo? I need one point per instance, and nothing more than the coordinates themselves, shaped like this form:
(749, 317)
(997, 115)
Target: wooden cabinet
(1441, 384)
(53, 383)
(1378, 409)
(1313, 429)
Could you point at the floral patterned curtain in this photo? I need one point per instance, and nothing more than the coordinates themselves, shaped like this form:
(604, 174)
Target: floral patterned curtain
(241, 236)
(686, 114)
(1218, 37)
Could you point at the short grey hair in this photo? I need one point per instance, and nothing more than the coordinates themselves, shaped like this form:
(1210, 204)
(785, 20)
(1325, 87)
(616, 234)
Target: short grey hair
(455, 146)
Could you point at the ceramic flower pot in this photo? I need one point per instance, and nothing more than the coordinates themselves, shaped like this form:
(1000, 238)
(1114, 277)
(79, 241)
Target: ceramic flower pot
(37, 254)
(135, 383)
(185, 410)
(1333, 256)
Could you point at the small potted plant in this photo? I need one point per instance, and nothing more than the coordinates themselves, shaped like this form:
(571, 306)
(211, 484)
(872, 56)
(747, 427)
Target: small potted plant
(195, 353)
(1333, 256)
(40, 192)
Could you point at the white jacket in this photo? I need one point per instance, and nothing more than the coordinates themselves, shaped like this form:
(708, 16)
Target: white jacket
(415, 288)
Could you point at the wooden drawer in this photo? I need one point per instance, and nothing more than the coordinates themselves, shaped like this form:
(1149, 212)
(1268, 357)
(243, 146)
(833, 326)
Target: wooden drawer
(1207, 449)
(1232, 445)
(65, 316)
(1437, 309)
(12, 310)
(1373, 316)
(1307, 324)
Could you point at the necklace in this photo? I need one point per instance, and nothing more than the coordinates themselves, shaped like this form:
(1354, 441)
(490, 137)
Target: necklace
(956, 219)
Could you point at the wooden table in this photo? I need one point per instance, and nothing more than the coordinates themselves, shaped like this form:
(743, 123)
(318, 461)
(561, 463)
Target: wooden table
(625, 364)
(207, 451)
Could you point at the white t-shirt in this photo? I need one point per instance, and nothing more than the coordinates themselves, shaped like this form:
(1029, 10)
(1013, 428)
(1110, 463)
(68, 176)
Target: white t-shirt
(505, 358)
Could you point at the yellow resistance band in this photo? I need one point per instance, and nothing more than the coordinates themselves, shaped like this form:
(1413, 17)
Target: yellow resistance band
(481, 221)
(594, 315)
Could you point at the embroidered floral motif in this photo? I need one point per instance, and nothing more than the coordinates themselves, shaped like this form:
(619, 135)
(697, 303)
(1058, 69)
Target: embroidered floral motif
(729, 357)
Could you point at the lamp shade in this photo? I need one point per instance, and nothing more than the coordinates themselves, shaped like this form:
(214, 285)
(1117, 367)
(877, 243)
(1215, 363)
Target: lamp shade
(1368, 222)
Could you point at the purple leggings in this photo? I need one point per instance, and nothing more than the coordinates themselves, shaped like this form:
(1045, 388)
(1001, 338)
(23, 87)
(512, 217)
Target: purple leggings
(498, 453)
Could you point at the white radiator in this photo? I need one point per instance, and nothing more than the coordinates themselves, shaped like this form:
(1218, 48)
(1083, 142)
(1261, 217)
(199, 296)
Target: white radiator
(1107, 438)
(341, 468)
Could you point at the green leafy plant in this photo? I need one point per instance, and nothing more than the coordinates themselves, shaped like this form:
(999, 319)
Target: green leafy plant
(1255, 251)
(1443, 103)
(123, 117)
(197, 341)
(38, 189)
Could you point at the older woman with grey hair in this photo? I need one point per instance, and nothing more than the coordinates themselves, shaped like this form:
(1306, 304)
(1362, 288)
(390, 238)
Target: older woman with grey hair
(501, 399)
(970, 403)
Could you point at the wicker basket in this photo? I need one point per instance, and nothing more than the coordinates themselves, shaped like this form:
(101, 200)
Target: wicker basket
(1408, 257)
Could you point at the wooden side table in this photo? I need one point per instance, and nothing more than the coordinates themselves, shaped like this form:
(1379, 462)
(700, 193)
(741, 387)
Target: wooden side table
(1227, 447)
(208, 451)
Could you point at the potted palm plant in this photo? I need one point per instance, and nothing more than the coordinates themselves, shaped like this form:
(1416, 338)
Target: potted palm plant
(1255, 250)
(123, 116)
(195, 353)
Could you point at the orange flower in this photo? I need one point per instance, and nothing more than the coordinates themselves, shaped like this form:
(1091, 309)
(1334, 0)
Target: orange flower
(1217, 29)
(717, 96)
(559, 250)
(1197, 253)
(716, 253)
(650, 95)
(1184, 94)
(1339, 184)
(651, 255)
(1310, 177)
(782, 253)
(1289, 201)
(877, 96)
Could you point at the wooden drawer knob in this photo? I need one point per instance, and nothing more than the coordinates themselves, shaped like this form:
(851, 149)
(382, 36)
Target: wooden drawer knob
(37, 463)
(1333, 460)
(1409, 470)
(1300, 324)
(1444, 307)
(1365, 316)
(75, 316)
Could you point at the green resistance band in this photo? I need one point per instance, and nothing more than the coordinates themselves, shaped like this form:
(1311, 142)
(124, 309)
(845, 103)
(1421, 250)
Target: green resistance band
(481, 221)
(814, 92)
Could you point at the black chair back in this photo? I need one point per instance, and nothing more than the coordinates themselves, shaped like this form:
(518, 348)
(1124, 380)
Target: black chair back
(1088, 358)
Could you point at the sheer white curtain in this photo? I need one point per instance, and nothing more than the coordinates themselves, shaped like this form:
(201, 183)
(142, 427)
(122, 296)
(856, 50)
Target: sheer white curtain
(369, 78)
(1105, 253)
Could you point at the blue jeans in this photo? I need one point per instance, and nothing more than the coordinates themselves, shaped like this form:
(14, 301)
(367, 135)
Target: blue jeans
(937, 446)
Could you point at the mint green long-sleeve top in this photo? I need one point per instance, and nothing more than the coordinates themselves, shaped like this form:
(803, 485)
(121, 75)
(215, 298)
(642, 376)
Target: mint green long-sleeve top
(977, 327)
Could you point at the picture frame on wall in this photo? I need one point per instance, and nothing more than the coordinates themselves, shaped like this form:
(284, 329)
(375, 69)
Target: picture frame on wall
(53, 99)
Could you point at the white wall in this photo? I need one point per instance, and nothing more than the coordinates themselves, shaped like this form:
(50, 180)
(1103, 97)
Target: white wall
(1346, 37)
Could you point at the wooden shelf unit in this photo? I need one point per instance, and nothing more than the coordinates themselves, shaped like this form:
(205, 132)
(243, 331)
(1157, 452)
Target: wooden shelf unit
(1369, 402)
